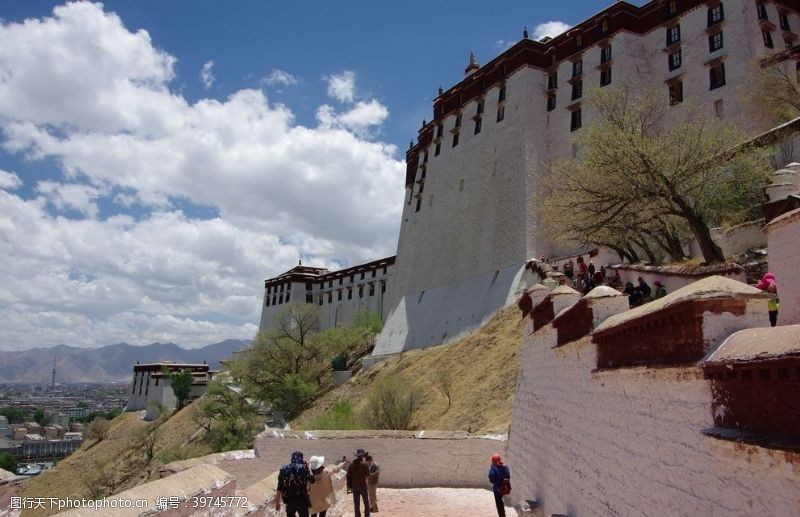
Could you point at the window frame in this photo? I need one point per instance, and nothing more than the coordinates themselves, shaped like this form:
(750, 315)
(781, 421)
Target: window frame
(576, 120)
(716, 80)
(671, 59)
(713, 39)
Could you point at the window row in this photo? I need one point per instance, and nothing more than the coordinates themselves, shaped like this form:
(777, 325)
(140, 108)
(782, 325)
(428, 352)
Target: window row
(783, 18)
(340, 295)
(276, 299)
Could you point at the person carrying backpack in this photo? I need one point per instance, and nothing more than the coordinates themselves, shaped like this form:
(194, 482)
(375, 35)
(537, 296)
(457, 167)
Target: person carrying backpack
(499, 476)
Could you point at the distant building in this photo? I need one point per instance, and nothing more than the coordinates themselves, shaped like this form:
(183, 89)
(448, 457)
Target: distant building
(5, 430)
(339, 294)
(151, 388)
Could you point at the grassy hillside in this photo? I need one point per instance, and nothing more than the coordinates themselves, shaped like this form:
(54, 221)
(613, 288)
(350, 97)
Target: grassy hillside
(120, 461)
(483, 367)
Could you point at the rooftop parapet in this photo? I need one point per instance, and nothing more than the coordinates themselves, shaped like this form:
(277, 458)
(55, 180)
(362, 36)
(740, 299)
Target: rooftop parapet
(755, 381)
(682, 327)
(580, 318)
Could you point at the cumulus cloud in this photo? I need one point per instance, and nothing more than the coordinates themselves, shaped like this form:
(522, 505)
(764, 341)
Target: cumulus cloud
(9, 180)
(279, 77)
(502, 44)
(550, 29)
(342, 87)
(206, 75)
(81, 90)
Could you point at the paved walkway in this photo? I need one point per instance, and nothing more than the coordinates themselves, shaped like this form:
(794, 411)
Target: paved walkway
(435, 502)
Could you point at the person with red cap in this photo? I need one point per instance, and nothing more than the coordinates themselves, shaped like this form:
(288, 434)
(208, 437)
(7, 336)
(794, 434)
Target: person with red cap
(769, 285)
(499, 476)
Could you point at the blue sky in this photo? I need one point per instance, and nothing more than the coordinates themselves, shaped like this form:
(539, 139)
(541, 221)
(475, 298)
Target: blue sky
(158, 160)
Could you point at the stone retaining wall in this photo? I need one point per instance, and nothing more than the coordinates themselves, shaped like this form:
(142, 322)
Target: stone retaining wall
(407, 459)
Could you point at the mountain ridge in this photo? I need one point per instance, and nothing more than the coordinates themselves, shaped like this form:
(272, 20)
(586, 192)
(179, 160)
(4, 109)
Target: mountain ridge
(108, 363)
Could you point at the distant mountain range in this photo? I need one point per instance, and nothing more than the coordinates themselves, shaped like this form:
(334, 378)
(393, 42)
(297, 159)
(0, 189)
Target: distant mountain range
(105, 364)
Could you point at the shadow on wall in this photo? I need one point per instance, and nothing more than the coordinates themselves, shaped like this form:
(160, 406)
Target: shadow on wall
(448, 312)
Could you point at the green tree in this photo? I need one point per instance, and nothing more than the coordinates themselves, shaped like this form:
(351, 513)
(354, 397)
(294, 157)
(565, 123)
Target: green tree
(14, 415)
(391, 404)
(40, 418)
(229, 420)
(181, 384)
(8, 462)
(643, 175)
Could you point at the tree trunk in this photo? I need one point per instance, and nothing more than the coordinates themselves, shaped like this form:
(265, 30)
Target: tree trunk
(642, 243)
(711, 252)
(634, 257)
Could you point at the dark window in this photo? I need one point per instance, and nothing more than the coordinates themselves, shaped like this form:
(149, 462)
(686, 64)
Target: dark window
(479, 109)
(575, 122)
(552, 81)
(267, 302)
(577, 68)
(458, 120)
(280, 299)
(273, 299)
(605, 77)
(352, 278)
(320, 299)
(439, 130)
(501, 96)
(330, 283)
(361, 291)
(501, 113)
(419, 204)
(341, 280)
(715, 42)
(362, 275)
(551, 102)
(330, 297)
(605, 55)
(715, 14)
(383, 287)
(767, 35)
(339, 295)
(674, 61)
(269, 289)
(309, 298)
(455, 139)
(384, 270)
(672, 8)
(309, 286)
(421, 187)
(673, 34)
(156, 381)
(287, 296)
(281, 289)
(372, 289)
(374, 272)
(477, 126)
(784, 19)
(716, 76)
(762, 12)
(604, 27)
(438, 149)
(577, 90)
(425, 158)
(349, 293)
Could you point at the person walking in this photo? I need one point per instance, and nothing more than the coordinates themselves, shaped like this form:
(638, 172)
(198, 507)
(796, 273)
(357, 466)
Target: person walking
(321, 492)
(769, 285)
(293, 480)
(372, 481)
(499, 476)
(357, 474)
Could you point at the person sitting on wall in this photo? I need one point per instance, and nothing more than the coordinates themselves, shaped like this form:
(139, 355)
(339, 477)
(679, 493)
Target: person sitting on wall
(634, 295)
(769, 285)
(569, 269)
(645, 289)
(616, 281)
(293, 480)
(499, 476)
(661, 291)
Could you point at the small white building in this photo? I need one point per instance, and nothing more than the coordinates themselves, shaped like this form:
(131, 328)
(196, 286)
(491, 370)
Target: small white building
(151, 388)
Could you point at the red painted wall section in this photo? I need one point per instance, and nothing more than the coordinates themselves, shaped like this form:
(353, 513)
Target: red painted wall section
(670, 336)
(575, 323)
(760, 397)
(543, 313)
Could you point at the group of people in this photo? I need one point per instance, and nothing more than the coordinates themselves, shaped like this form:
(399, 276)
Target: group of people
(306, 489)
(587, 277)
(642, 292)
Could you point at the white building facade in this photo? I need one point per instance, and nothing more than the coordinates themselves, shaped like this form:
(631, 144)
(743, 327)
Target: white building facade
(151, 389)
(340, 295)
(469, 217)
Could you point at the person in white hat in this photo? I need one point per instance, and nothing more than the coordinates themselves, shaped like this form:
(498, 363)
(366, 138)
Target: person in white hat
(321, 491)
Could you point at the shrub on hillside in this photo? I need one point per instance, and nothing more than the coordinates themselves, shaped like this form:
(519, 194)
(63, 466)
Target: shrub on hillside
(98, 429)
(229, 420)
(340, 417)
(391, 404)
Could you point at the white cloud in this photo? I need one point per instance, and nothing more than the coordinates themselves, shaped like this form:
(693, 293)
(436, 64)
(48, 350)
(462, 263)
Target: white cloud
(9, 180)
(550, 29)
(342, 87)
(80, 89)
(279, 77)
(206, 75)
(502, 45)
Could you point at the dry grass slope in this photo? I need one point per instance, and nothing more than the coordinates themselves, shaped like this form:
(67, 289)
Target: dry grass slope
(483, 367)
(117, 459)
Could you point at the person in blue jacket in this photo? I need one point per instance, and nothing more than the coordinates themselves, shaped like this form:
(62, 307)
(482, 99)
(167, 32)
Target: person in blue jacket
(497, 473)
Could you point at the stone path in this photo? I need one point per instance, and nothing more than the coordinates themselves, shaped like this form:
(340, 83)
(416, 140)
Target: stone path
(435, 502)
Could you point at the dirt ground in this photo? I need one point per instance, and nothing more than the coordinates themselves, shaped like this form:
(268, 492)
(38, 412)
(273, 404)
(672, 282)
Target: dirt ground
(435, 502)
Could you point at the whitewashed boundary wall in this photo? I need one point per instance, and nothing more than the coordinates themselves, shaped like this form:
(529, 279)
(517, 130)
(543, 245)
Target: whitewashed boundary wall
(784, 262)
(449, 312)
(589, 439)
(407, 459)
